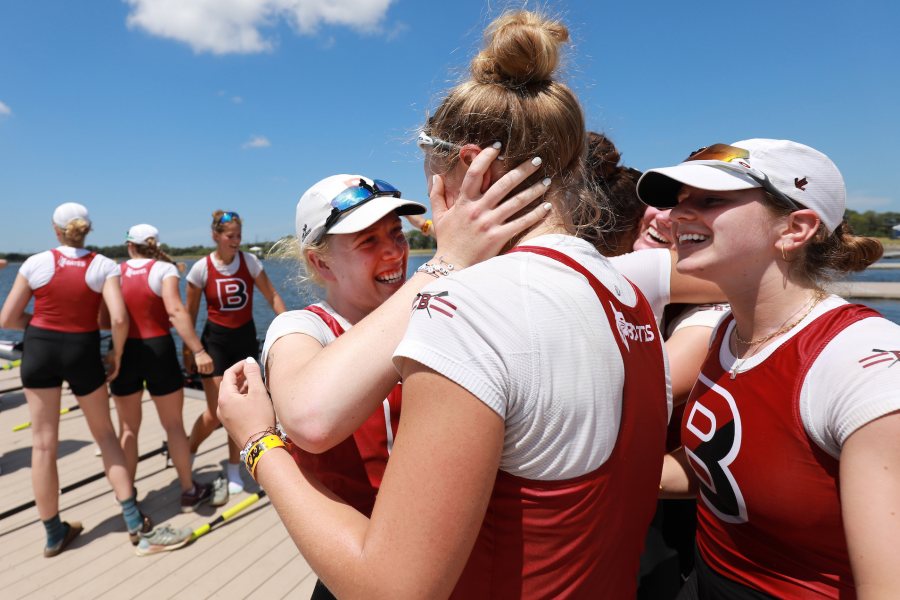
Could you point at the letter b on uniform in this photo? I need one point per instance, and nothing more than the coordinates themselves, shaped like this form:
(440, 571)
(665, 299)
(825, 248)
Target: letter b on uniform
(232, 293)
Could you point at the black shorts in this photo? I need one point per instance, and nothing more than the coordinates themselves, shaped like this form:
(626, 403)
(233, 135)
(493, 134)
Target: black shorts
(51, 357)
(153, 360)
(228, 346)
(707, 584)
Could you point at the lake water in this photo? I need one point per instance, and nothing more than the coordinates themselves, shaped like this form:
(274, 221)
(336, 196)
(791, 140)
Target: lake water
(284, 275)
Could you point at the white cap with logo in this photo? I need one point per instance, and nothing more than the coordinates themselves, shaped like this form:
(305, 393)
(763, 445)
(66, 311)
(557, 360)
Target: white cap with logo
(315, 208)
(139, 234)
(802, 174)
(68, 212)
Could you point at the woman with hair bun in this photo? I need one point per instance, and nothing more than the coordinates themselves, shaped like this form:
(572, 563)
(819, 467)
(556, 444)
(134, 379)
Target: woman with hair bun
(791, 435)
(225, 278)
(62, 343)
(532, 430)
(150, 289)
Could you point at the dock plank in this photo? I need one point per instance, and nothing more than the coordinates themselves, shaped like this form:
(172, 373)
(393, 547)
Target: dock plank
(102, 563)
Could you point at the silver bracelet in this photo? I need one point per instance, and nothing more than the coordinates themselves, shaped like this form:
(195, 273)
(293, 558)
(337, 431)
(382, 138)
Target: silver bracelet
(436, 270)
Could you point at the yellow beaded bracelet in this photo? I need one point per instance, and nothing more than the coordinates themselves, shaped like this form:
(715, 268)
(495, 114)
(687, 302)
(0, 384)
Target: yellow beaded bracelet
(426, 226)
(262, 446)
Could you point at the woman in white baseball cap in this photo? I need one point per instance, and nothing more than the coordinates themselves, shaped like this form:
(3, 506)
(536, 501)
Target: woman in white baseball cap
(534, 389)
(62, 343)
(791, 435)
(150, 289)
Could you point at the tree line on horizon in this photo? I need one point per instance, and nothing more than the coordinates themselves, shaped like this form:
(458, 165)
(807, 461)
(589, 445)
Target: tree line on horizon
(417, 241)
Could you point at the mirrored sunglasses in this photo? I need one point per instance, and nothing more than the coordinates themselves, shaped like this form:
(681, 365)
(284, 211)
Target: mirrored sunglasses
(354, 197)
(733, 158)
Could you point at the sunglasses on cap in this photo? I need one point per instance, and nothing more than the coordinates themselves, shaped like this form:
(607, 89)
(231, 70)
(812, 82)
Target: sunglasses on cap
(734, 158)
(428, 142)
(227, 217)
(354, 197)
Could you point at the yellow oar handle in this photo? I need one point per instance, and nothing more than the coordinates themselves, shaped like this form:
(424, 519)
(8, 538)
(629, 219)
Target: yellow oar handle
(204, 529)
(11, 365)
(27, 424)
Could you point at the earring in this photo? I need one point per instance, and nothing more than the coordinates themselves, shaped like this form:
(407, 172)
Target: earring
(782, 253)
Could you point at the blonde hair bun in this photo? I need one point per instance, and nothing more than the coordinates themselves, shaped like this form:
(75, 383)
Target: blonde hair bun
(520, 48)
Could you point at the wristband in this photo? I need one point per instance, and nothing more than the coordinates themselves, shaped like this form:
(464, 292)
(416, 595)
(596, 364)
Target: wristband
(426, 226)
(269, 442)
(200, 351)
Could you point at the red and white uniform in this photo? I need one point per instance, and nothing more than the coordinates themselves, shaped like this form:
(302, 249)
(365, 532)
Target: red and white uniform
(354, 468)
(147, 313)
(228, 288)
(576, 371)
(765, 447)
(67, 284)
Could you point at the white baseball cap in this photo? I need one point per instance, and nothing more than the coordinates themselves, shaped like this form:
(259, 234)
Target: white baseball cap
(784, 168)
(68, 212)
(139, 234)
(362, 202)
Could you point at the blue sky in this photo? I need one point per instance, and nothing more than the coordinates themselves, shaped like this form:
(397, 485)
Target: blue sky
(161, 111)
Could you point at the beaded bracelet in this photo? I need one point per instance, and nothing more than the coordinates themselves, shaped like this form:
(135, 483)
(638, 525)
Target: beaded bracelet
(269, 442)
(436, 270)
(426, 226)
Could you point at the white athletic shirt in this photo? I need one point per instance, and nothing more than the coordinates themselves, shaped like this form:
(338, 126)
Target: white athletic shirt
(302, 321)
(159, 271)
(855, 380)
(38, 269)
(197, 275)
(651, 271)
(512, 331)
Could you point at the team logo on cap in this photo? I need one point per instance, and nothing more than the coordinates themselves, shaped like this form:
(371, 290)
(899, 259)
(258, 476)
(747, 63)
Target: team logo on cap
(435, 302)
(800, 184)
(881, 356)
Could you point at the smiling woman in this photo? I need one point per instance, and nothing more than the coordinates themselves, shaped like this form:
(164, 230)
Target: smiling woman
(226, 278)
(351, 243)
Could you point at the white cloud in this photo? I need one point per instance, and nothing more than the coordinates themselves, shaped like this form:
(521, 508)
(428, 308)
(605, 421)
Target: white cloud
(257, 141)
(237, 100)
(861, 202)
(5, 110)
(234, 26)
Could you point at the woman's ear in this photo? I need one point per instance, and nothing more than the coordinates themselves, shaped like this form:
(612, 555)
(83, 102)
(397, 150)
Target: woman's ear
(800, 227)
(466, 155)
(319, 263)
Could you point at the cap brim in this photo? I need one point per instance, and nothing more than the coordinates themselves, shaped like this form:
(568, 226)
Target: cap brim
(373, 210)
(660, 187)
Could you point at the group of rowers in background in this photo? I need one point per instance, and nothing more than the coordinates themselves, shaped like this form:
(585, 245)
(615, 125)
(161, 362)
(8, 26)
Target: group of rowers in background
(537, 393)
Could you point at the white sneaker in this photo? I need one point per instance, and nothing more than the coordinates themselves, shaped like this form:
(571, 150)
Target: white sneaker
(235, 487)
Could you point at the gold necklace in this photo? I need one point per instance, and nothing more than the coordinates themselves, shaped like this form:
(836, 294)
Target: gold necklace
(755, 344)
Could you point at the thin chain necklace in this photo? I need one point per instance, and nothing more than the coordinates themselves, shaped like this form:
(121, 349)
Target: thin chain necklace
(753, 345)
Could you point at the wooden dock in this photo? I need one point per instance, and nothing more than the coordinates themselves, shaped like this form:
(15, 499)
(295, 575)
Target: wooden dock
(249, 555)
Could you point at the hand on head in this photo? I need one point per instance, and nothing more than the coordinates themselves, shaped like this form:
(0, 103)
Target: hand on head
(244, 404)
(477, 224)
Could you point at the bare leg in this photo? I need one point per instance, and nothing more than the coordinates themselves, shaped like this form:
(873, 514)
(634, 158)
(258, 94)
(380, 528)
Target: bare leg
(128, 408)
(43, 405)
(169, 409)
(207, 422)
(95, 407)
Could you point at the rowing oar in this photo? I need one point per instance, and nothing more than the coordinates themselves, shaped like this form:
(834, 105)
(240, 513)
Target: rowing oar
(228, 514)
(78, 484)
(62, 411)
(11, 365)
